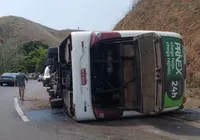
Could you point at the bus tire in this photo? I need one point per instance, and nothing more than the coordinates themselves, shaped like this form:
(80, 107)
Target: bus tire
(52, 52)
(56, 102)
(51, 92)
(49, 61)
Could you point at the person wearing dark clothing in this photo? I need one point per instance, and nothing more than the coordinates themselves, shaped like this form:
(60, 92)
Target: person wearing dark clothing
(20, 79)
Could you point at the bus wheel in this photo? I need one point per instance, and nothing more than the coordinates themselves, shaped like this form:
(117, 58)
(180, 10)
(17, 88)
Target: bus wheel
(56, 102)
(52, 52)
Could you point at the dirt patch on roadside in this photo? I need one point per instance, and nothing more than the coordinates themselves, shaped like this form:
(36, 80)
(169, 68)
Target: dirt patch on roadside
(193, 93)
(192, 98)
(36, 97)
(37, 104)
(192, 103)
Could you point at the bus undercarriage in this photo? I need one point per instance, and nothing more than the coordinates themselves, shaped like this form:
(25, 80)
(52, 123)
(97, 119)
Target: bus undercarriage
(115, 74)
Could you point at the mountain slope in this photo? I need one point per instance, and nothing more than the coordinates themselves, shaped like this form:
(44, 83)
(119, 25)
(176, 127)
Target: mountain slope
(181, 16)
(18, 30)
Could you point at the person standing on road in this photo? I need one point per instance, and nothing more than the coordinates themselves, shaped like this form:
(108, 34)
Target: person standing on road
(20, 79)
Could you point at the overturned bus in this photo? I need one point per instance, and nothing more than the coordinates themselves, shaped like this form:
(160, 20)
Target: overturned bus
(108, 75)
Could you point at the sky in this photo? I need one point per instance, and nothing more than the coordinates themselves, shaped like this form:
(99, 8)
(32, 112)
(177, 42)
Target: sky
(69, 14)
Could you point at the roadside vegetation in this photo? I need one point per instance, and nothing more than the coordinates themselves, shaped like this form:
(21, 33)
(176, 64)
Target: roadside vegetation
(29, 57)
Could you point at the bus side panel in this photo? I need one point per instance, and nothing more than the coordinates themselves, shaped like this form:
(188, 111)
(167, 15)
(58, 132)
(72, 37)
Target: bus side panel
(174, 72)
(81, 91)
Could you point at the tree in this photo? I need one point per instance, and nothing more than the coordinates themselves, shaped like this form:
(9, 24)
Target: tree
(28, 57)
(40, 63)
(30, 46)
(34, 61)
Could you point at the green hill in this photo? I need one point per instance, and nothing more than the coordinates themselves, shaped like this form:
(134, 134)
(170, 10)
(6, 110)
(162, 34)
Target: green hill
(17, 30)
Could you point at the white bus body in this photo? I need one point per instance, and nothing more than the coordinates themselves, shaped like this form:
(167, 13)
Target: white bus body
(81, 103)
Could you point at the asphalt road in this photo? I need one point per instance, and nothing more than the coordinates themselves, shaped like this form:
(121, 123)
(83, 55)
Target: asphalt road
(47, 124)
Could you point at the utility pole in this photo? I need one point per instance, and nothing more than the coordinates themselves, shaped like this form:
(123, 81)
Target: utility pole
(3, 55)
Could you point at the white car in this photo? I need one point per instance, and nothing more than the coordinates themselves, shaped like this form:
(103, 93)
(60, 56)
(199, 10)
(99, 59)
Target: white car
(40, 77)
(46, 77)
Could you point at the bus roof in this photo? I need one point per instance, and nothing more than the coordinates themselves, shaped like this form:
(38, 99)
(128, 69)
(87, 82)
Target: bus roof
(128, 33)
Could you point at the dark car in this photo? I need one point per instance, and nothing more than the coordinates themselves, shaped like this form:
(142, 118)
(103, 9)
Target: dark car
(8, 79)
